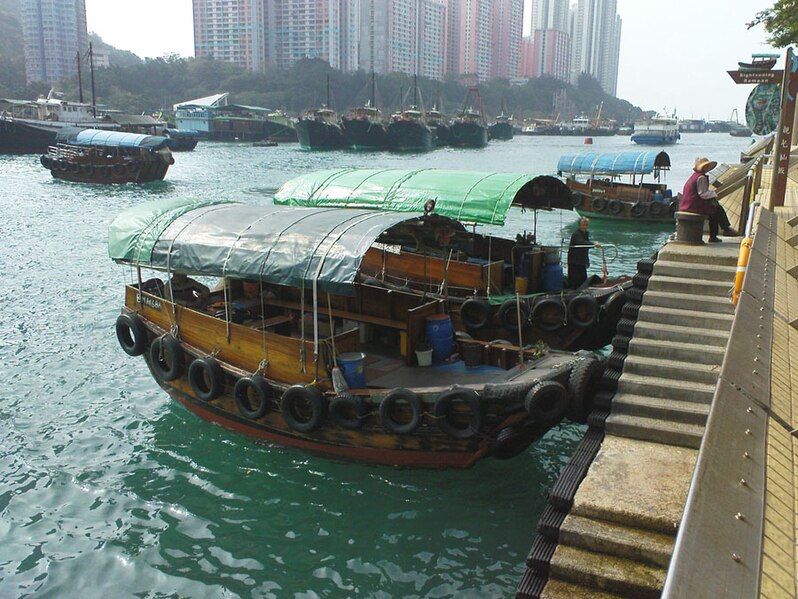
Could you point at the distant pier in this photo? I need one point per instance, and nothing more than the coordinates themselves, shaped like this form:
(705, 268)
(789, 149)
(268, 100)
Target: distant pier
(686, 483)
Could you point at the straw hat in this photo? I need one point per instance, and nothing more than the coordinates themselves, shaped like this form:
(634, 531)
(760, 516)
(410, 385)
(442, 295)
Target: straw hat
(703, 165)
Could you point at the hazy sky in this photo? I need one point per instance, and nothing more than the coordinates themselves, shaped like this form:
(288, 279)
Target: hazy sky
(674, 54)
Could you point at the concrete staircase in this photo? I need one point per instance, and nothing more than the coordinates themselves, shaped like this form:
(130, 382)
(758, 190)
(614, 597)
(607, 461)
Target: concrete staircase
(675, 354)
(618, 537)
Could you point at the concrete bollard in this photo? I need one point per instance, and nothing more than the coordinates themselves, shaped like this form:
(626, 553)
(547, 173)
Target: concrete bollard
(690, 228)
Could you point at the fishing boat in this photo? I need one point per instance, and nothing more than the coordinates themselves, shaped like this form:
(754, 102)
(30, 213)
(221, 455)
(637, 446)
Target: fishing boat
(295, 349)
(31, 127)
(759, 62)
(502, 127)
(320, 128)
(181, 140)
(595, 180)
(660, 130)
(364, 127)
(95, 156)
(439, 122)
(469, 129)
(736, 128)
(479, 285)
(408, 130)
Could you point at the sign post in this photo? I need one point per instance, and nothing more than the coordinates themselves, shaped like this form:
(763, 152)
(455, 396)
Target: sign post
(784, 133)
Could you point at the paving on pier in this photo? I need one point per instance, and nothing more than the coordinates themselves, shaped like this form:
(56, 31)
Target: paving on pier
(696, 374)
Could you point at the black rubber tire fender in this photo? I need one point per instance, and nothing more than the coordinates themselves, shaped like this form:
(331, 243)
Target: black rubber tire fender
(104, 172)
(387, 404)
(511, 441)
(625, 327)
(343, 405)
(639, 210)
(582, 310)
(508, 315)
(131, 334)
(314, 400)
(87, 169)
(615, 207)
(132, 167)
(73, 167)
(555, 321)
(167, 358)
(118, 169)
(546, 402)
(443, 410)
(45, 160)
(577, 199)
(645, 266)
(62, 165)
(583, 384)
(206, 378)
(262, 389)
(475, 313)
(598, 204)
(640, 280)
(657, 208)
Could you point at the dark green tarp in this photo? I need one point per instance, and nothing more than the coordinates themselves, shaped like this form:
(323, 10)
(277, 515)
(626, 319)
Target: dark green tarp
(276, 244)
(467, 196)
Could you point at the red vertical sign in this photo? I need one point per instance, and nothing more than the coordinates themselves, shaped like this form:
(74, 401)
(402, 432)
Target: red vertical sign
(784, 134)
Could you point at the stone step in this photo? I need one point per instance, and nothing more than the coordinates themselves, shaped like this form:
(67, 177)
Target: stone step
(691, 286)
(660, 408)
(681, 434)
(559, 589)
(619, 540)
(708, 254)
(613, 574)
(687, 301)
(651, 386)
(685, 318)
(699, 353)
(706, 272)
(680, 334)
(672, 369)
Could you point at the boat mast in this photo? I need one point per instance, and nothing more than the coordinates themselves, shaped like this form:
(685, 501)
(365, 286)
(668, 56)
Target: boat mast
(415, 91)
(93, 94)
(373, 90)
(328, 90)
(80, 76)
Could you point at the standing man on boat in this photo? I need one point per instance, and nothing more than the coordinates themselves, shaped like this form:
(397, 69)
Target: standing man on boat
(697, 197)
(578, 258)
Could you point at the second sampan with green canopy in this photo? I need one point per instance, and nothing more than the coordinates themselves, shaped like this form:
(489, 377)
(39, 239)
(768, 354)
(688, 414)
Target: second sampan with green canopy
(468, 196)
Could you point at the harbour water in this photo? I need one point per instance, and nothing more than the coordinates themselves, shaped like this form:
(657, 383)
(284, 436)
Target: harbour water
(108, 488)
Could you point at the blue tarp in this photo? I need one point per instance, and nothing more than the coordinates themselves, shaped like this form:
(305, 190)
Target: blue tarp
(115, 139)
(618, 163)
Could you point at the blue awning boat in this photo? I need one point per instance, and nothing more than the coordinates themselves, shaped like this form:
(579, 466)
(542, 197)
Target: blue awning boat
(614, 164)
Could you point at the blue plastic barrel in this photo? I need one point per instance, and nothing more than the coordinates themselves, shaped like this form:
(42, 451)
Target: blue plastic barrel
(353, 368)
(440, 336)
(552, 277)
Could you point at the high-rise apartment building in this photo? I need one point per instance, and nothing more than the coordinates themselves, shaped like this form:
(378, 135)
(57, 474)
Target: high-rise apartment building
(596, 42)
(508, 27)
(403, 36)
(549, 46)
(232, 31)
(469, 30)
(54, 31)
(350, 34)
(305, 29)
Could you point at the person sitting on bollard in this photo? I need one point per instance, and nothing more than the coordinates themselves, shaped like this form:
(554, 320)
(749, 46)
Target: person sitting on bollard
(698, 198)
(578, 258)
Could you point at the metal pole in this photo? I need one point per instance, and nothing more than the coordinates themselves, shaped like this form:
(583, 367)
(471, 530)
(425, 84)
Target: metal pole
(93, 93)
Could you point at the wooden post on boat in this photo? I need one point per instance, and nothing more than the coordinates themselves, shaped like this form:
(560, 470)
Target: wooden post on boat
(80, 77)
(93, 94)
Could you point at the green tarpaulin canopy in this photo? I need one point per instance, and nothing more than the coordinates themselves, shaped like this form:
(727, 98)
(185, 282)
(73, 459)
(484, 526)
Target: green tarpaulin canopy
(472, 197)
(275, 244)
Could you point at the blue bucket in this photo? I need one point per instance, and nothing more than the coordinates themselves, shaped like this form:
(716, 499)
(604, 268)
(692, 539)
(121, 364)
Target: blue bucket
(353, 368)
(552, 277)
(440, 336)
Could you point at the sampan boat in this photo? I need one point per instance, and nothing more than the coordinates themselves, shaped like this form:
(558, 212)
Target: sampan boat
(595, 180)
(261, 355)
(98, 156)
(484, 283)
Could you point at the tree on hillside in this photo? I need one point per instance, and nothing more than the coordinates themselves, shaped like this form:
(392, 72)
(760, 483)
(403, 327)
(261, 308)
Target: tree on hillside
(781, 23)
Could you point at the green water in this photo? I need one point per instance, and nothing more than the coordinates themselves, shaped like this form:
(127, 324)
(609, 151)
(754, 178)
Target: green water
(109, 489)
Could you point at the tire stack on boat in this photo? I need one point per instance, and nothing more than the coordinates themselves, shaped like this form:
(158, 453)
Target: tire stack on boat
(561, 496)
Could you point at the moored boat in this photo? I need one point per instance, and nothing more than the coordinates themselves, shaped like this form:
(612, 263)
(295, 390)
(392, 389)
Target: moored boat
(598, 191)
(469, 129)
(364, 127)
(294, 349)
(182, 140)
(501, 128)
(320, 128)
(95, 156)
(661, 130)
(409, 132)
(478, 285)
